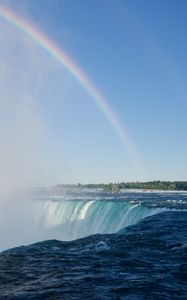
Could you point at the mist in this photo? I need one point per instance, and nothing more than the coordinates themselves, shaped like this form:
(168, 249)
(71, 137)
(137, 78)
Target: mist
(23, 134)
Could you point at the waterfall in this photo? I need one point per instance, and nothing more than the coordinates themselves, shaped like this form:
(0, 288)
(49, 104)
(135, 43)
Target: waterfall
(72, 219)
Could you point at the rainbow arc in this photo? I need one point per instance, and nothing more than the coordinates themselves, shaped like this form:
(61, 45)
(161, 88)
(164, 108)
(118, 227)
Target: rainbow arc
(67, 62)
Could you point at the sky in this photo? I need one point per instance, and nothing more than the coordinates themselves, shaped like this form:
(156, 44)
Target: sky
(134, 53)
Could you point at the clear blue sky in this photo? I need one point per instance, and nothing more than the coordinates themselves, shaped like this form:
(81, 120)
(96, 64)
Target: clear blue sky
(135, 52)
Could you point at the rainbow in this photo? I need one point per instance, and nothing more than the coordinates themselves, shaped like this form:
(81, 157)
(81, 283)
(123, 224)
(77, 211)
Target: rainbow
(57, 53)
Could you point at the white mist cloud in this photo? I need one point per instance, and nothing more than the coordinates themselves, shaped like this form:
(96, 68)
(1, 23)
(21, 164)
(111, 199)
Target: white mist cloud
(24, 67)
(32, 86)
(21, 125)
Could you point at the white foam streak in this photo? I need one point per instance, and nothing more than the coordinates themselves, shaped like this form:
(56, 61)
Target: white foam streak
(84, 210)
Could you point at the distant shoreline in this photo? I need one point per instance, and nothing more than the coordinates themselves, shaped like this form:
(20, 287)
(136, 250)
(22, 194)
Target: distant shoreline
(145, 186)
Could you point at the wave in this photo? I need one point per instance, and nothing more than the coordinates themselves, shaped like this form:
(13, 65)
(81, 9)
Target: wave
(73, 219)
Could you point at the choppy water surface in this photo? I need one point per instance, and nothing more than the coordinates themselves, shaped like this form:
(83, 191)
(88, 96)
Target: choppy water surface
(127, 246)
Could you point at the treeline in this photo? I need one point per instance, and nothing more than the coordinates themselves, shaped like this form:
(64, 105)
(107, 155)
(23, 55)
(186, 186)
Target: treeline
(155, 185)
(151, 185)
(116, 187)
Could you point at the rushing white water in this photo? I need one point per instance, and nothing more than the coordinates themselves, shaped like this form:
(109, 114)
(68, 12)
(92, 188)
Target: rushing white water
(72, 219)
